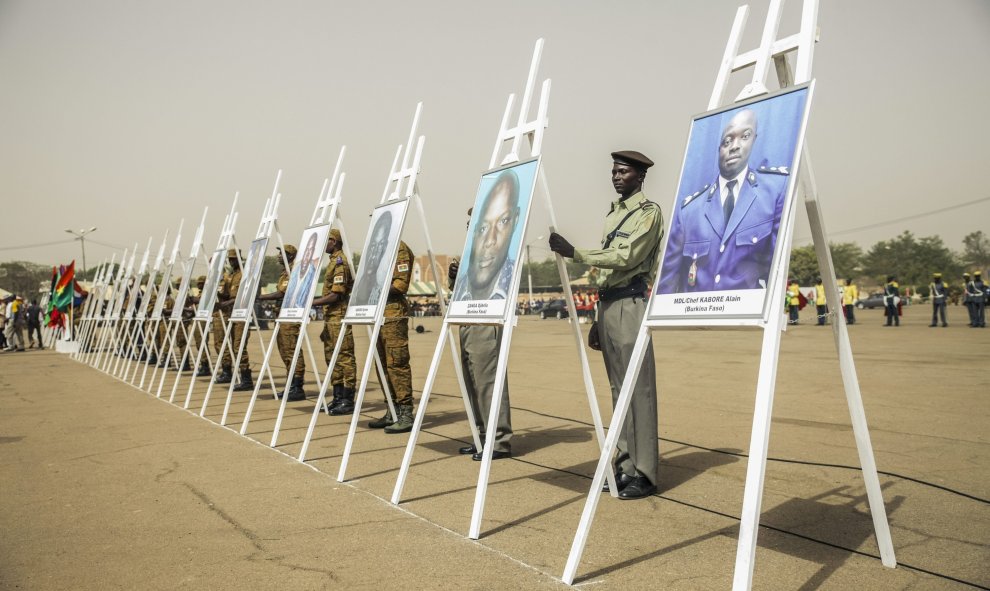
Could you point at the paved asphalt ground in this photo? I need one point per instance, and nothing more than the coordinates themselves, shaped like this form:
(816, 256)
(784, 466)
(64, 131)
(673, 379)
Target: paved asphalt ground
(107, 487)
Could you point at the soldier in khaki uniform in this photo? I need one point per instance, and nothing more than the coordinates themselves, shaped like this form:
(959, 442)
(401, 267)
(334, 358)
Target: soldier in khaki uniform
(288, 332)
(216, 328)
(393, 346)
(628, 260)
(337, 285)
(225, 301)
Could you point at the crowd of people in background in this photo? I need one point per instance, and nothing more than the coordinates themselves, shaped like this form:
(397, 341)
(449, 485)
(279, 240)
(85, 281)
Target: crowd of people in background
(972, 293)
(18, 317)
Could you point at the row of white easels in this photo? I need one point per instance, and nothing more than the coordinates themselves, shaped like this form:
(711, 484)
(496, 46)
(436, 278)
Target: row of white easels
(774, 50)
(508, 146)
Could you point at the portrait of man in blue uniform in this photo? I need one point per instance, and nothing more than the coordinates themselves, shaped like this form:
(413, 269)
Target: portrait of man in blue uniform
(725, 224)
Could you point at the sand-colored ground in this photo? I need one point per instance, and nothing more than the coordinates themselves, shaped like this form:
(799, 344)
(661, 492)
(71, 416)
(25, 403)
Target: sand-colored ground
(106, 487)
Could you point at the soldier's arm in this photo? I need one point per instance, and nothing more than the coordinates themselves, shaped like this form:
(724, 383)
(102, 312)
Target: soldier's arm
(622, 254)
(403, 272)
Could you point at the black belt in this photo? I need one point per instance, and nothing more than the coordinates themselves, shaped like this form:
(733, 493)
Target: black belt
(636, 288)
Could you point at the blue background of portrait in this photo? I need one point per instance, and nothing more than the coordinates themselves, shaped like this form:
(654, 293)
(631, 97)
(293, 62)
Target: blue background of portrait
(777, 128)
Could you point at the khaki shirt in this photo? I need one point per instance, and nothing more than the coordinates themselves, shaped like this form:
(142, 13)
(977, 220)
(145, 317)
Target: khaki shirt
(337, 279)
(635, 248)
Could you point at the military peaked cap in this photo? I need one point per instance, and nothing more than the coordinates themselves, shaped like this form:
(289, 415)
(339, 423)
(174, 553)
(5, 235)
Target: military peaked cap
(632, 158)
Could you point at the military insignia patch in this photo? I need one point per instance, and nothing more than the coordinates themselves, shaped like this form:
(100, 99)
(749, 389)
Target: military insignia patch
(338, 279)
(403, 267)
(340, 260)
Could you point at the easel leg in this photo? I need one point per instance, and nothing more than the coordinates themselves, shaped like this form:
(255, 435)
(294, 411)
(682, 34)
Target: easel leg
(850, 380)
(608, 450)
(370, 359)
(421, 413)
(288, 381)
(757, 464)
(322, 395)
(257, 387)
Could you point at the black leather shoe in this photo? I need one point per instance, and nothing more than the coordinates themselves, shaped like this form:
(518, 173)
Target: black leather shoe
(496, 455)
(639, 488)
(467, 450)
(622, 480)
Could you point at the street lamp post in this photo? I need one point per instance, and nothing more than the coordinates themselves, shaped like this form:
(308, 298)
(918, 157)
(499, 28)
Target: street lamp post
(81, 237)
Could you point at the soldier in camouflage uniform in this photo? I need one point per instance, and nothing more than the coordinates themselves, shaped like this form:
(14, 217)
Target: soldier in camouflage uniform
(393, 347)
(204, 365)
(179, 345)
(288, 332)
(337, 285)
(228, 293)
(216, 327)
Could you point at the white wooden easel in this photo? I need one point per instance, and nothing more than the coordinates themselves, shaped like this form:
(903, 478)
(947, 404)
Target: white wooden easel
(131, 325)
(103, 320)
(533, 131)
(105, 356)
(141, 314)
(155, 319)
(326, 211)
(92, 308)
(772, 325)
(174, 322)
(99, 313)
(268, 223)
(401, 183)
(205, 321)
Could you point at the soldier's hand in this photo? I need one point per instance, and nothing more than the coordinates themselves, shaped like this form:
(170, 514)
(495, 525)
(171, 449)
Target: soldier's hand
(452, 269)
(561, 246)
(594, 339)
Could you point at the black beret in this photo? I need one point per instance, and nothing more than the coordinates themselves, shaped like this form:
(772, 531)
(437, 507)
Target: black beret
(632, 158)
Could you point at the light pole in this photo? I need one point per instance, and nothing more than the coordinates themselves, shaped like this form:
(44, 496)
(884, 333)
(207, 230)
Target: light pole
(81, 237)
(529, 270)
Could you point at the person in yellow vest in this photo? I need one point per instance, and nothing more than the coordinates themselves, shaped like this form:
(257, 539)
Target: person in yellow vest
(850, 293)
(793, 301)
(820, 302)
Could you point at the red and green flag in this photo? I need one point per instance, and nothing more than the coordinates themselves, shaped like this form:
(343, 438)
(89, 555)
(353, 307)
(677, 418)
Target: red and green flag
(62, 295)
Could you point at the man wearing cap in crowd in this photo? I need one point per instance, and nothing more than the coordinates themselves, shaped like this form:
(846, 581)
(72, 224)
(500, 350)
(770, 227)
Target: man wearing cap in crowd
(288, 332)
(723, 235)
(965, 298)
(337, 284)
(850, 293)
(891, 299)
(976, 291)
(938, 292)
(225, 298)
(480, 345)
(393, 346)
(628, 260)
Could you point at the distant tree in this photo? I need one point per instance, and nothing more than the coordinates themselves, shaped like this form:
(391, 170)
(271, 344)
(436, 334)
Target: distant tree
(911, 260)
(24, 278)
(976, 251)
(846, 258)
(803, 265)
(271, 270)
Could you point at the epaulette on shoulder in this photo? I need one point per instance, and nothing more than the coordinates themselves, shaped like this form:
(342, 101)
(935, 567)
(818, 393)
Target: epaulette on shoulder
(694, 196)
(649, 205)
(782, 170)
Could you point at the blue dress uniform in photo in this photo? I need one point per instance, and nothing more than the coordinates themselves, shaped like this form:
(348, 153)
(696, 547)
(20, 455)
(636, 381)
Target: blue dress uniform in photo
(706, 252)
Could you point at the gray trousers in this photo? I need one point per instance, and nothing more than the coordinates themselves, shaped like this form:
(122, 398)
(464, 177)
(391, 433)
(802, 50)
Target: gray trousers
(479, 357)
(618, 326)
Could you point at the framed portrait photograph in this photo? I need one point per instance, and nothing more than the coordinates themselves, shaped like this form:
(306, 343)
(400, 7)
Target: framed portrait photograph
(374, 274)
(488, 276)
(728, 219)
(180, 297)
(305, 274)
(156, 312)
(208, 297)
(246, 293)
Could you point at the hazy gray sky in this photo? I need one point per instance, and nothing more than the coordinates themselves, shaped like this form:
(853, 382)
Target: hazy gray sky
(131, 115)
